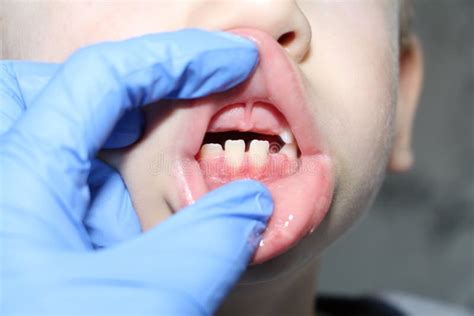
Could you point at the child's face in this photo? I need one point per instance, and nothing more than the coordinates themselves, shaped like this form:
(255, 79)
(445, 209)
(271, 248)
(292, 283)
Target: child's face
(345, 84)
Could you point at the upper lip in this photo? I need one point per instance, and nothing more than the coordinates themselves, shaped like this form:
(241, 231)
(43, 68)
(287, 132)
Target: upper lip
(267, 84)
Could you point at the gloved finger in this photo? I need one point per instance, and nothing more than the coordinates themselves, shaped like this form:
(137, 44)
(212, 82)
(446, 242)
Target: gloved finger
(98, 83)
(22, 81)
(47, 153)
(184, 266)
(111, 217)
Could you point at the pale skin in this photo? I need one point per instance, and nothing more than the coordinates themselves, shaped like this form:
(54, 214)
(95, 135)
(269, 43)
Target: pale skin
(364, 96)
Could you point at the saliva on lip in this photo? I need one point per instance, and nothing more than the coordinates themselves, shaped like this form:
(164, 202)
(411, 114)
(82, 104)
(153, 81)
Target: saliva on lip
(280, 225)
(257, 159)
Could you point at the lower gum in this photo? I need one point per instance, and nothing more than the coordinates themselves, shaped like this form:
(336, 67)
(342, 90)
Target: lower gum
(216, 172)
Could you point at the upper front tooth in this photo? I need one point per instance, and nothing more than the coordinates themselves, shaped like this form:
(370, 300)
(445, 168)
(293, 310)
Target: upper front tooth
(234, 152)
(258, 152)
(211, 151)
(287, 136)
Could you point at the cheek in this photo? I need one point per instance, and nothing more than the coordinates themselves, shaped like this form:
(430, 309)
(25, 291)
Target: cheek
(52, 30)
(353, 80)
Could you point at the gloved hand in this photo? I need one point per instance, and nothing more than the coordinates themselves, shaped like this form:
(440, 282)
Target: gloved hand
(184, 266)
(110, 217)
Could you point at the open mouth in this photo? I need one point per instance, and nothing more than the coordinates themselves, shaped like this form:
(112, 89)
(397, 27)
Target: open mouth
(262, 129)
(250, 140)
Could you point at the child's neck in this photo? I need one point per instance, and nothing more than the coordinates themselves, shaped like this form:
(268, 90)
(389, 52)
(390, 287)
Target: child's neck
(292, 294)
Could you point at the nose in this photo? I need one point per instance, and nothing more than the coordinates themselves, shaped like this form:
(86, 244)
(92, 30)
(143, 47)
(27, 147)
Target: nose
(282, 19)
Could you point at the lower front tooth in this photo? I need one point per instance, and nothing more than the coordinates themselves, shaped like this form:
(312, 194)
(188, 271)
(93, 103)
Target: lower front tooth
(289, 150)
(258, 152)
(234, 153)
(211, 151)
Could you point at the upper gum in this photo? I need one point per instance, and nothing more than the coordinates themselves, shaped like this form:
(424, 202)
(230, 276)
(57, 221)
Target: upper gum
(256, 116)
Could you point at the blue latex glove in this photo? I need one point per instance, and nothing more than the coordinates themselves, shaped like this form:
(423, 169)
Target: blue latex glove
(186, 265)
(110, 217)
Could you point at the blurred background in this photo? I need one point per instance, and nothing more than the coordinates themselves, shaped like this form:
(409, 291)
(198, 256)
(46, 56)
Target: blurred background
(419, 236)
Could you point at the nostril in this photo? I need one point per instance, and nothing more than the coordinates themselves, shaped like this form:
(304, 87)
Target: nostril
(286, 39)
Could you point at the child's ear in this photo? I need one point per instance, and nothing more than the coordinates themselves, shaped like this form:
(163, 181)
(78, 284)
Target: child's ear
(410, 85)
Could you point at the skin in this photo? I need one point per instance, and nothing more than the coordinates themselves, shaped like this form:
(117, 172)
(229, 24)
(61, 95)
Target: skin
(364, 93)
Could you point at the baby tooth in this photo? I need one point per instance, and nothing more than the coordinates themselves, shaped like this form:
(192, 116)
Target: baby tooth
(289, 150)
(258, 152)
(211, 151)
(287, 136)
(234, 152)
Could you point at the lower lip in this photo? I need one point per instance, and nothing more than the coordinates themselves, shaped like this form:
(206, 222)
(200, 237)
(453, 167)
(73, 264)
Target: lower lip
(301, 200)
(296, 186)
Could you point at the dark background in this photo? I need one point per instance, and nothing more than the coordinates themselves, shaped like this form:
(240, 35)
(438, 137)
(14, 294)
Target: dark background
(419, 236)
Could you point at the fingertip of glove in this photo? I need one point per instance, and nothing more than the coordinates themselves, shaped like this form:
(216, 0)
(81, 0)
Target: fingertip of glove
(257, 192)
(246, 45)
(245, 42)
(266, 203)
(241, 50)
(239, 40)
(244, 49)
